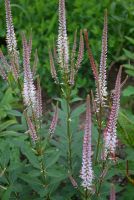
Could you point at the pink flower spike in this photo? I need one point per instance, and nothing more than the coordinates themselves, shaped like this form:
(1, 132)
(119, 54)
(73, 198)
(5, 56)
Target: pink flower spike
(102, 82)
(53, 70)
(29, 92)
(32, 130)
(11, 38)
(54, 121)
(91, 58)
(11, 41)
(81, 52)
(3, 73)
(110, 137)
(86, 171)
(39, 100)
(62, 44)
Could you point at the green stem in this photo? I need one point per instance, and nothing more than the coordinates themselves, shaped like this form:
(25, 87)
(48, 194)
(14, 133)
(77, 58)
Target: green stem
(86, 194)
(99, 120)
(69, 135)
(101, 178)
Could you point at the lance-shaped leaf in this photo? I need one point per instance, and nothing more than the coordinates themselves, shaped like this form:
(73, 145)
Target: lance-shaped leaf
(110, 137)
(54, 121)
(86, 170)
(90, 56)
(29, 92)
(62, 44)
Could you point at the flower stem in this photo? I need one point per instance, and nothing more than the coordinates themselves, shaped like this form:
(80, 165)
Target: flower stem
(99, 120)
(69, 135)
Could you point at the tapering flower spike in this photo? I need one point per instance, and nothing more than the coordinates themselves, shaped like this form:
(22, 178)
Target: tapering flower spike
(81, 52)
(11, 38)
(29, 92)
(112, 193)
(4, 62)
(53, 70)
(4, 67)
(54, 121)
(73, 53)
(110, 137)
(91, 58)
(3, 73)
(86, 171)
(11, 41)
(32, 130)
(102, 82)
(39, 100)
(62, 45)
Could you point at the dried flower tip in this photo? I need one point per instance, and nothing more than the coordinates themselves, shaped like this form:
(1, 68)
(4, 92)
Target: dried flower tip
(90, 56)
(53, 70)
(112, 193)
(32, 130)
(73, 181)
(54, 121)
(81, 52)
(62, 44)
(110, 137)
(86, 171)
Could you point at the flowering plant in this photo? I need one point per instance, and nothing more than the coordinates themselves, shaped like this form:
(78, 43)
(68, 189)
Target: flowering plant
(50, 157)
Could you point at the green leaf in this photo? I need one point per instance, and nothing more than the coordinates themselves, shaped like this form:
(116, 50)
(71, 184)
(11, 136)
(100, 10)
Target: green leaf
(6, 124)
(14, 113)
(52, 158)
(30, 179)
(27, 151)
(77, 111)
(127, 128)
(8, 133)
(131, 40)
(130, 72)
(7, 193)
(128, 91)
(129, 54)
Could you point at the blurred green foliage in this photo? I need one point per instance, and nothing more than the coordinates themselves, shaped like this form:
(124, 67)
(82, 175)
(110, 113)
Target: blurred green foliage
(41, 18)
